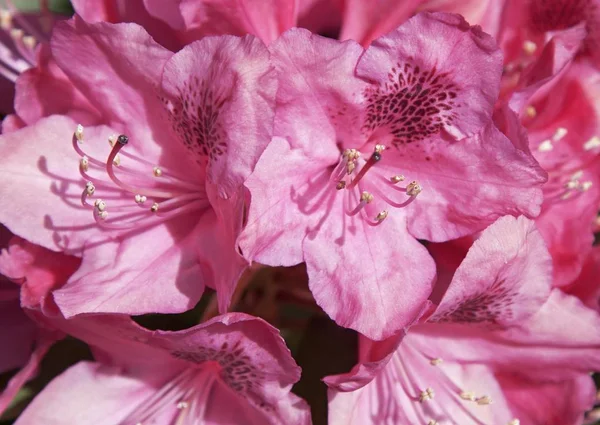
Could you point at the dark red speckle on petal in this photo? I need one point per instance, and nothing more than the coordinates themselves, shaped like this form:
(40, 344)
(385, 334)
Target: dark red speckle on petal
(195, 117)
(413, 104)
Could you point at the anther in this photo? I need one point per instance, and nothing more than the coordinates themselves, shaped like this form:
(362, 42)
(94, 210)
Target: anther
(397, 178)
(117, 160)
(594, 142)
(432, 422)
(112, 139)
(530, 111)
(90, 188)
(340, 185)
(413, 188)
(484, 400)
(467, 395)
(100, 205)
(5, 19)
(140, 199)
(84, 163)
(366, 197)
(122, 139)
(529, 47)
(154, 207)
(157, 172)
(428, 394)
(79, 133)
(381, 216)
(545, 146)
(16, 33)
(29, 41)
(182, 405)
(514, 422)
(436, 361)
(559, 134)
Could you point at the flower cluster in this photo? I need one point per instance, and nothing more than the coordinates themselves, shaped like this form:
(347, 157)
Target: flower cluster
(423, 173)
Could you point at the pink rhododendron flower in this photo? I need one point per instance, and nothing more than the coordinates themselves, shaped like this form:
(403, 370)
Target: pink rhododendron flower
(233, 369)
(157, 220)
(498, 349)
(352, 123)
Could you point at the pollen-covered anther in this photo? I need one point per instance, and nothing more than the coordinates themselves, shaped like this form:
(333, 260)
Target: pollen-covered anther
(140, 199)
(17, 34)
(560, 133)
(378, 148)
(157, 172)
(467, 395)
(90, 188)
(112, 139)
(154, 207)
(413, 188)
(29, 41)
(545, 146)
(593, 143)
(117, 160)
(100, 205)
(436, 361)
(366, 197)
(340, 185)
(84, 163)
(182, 405)
(79, 133)
(428, 394)
(483, 400)
(350, 167)
(514, 422)
(397, 178)
(381, 216)
(530, 111)
(5, 19)
(529, 47)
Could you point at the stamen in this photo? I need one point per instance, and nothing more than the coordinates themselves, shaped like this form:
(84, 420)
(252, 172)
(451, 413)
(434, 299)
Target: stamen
(467, 395)
(413, 188)
(182, 405)
(381, 216)
(29, 41)
(5, 19)
(545, 146)
(365, 198)
(375, 158)
(559, 134)
(16, 34)
(140, 199)
(593, 143)
(79, 133)
(529, 47)
(157, 172)
(154, 207)
(432, 422)
(530, 111)
(428, 394)
(484, 400)
(436, 361)
(514, 422)
(84, 164)
(397, 178)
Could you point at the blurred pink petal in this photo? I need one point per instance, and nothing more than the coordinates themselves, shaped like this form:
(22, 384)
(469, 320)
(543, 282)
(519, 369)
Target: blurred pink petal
(233, 369)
